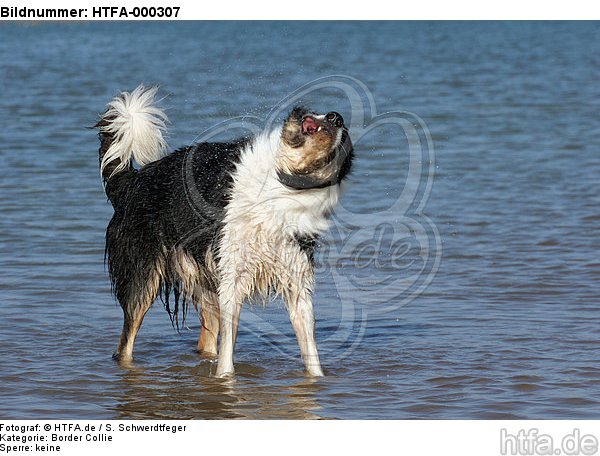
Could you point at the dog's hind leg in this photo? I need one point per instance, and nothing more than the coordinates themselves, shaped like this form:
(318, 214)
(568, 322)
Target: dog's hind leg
(132, 322)
(209, 307)
(134, 311)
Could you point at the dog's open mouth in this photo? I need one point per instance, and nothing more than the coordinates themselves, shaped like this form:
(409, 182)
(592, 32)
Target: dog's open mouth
(310, 126)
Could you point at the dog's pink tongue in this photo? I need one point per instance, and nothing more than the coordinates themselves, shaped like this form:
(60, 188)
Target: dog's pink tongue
(309, 125)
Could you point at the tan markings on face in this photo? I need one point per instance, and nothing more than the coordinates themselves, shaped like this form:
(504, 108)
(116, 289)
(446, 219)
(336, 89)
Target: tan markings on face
(305, 154)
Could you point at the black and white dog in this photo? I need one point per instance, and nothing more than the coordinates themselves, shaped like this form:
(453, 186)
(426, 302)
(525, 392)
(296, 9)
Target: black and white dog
(217, 223)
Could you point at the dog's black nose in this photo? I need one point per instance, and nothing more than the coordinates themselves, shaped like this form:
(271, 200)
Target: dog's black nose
(335, 119)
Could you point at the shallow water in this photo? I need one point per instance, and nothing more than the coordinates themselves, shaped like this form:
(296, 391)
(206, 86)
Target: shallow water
(506, 326)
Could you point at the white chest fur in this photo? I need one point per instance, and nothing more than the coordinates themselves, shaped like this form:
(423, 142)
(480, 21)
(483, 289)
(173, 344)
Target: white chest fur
(258, 247)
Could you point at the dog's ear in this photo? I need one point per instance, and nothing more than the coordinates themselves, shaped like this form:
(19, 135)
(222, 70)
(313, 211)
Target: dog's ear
(298, 113)
(292, 131)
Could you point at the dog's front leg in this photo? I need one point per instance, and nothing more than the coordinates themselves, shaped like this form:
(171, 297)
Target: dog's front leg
(230, 306)
(303, 322)
(300, 307)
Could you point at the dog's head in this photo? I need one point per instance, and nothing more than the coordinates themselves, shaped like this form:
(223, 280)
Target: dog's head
(316, 150)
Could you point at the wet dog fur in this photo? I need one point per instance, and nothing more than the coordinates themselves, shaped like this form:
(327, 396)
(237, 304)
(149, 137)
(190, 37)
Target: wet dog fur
(216, 224)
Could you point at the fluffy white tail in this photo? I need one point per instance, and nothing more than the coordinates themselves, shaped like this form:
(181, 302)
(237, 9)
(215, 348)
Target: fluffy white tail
(135, 126)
